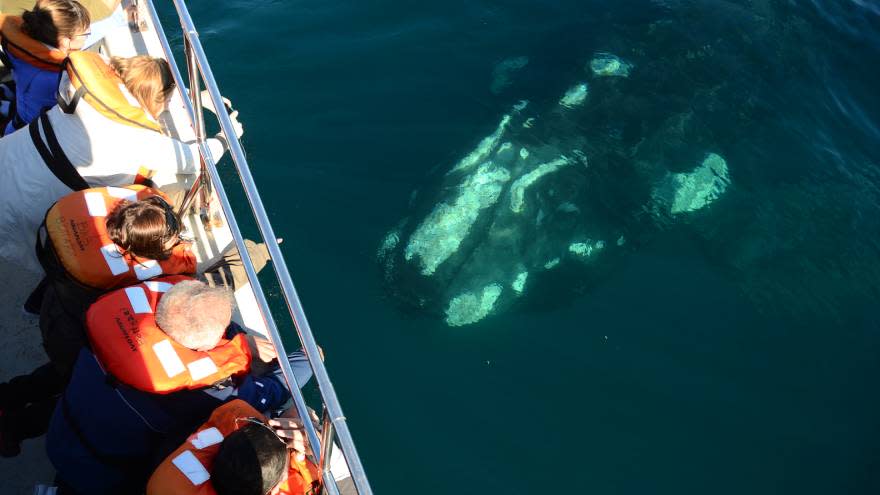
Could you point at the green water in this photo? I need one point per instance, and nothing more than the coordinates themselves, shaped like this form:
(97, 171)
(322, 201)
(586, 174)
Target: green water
(733, 353)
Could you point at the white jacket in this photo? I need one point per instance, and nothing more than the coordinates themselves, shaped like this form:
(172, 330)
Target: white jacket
(104, 152)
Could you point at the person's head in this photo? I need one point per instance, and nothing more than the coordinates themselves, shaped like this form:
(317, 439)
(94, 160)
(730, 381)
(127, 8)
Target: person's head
(251, 461)
(148, 79)
(148, 228)
(63, 24)
(194, 314)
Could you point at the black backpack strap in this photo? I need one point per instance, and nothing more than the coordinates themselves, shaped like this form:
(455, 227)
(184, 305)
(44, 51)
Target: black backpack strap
(53, 155)
(69, 107)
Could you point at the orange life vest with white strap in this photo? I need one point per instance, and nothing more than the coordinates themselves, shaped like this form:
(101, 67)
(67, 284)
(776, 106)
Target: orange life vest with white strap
(22, 46)
(187, 471)
(96, 82)
(123, 333)
(77, 229)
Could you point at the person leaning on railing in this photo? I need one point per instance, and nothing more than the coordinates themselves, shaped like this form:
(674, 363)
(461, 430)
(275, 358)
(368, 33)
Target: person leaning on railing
(35, 46)
(103, 133)
(238, 452)
(128, 394)
(147, 236)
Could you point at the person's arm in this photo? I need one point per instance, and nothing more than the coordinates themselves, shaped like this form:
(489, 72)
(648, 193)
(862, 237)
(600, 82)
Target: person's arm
(169, 156)
(268, 392)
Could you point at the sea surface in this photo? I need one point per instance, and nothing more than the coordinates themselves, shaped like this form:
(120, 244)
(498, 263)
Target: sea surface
(735, 351)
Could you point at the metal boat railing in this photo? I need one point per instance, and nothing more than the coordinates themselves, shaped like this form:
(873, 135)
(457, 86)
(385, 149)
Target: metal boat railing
(335, 429)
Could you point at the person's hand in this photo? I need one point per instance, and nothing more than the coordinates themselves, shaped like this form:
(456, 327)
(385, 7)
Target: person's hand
(236, 125)
(262, 349)
(291, 430)
(208, 104)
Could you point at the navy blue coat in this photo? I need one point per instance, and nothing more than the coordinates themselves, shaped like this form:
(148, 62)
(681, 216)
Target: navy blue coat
(122, 427)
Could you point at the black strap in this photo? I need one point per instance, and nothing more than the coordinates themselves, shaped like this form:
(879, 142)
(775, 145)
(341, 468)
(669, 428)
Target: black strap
(3, 56)
(54, 156)
(69, 107)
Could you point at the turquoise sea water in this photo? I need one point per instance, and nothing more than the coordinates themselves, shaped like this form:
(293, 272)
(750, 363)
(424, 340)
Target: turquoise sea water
(735, 352)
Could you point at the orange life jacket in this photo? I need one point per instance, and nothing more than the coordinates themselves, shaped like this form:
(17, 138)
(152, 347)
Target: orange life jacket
(28, 49)
(124, 336)
(97, 82)
(187, 471)
(77, 229)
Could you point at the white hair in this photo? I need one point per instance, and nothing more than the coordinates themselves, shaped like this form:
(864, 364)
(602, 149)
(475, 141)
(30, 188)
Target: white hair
(194, 314)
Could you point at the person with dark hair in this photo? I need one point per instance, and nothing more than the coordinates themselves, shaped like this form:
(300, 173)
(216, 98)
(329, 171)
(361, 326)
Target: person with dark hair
(149, 228)
(238, 452)
(36, 46)
(251, 460)
(145, 231)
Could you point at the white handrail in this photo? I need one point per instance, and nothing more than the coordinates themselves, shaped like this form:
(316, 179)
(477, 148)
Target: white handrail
(333, 409)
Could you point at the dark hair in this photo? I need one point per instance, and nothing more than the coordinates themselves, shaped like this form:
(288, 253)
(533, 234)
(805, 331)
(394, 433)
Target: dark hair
(251, 461)
(143, 228)
(52, 19)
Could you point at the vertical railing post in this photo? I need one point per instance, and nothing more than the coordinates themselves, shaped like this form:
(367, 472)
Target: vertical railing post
(324, 457)
(201, 188)
(336, 427)
(195, 89)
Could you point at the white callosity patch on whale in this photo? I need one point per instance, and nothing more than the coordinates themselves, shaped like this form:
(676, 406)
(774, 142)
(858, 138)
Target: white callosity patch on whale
(502, 71)
(551, 264)
(440, 235)
(519, 283)
(518, 188)
(468, 307)
(688, 192)
(484, 149)
(575, 96)
(586, 249)
(389, 243)
(608, 65)
(523, 153)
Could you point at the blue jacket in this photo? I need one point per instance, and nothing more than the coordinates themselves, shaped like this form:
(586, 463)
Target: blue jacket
(35, 90)
(122, 426)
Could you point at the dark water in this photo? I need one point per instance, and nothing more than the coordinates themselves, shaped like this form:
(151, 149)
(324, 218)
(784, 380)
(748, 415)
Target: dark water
(735, 352)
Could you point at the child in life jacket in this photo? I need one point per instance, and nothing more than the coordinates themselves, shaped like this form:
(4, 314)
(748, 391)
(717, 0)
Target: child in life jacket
(36, 46)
